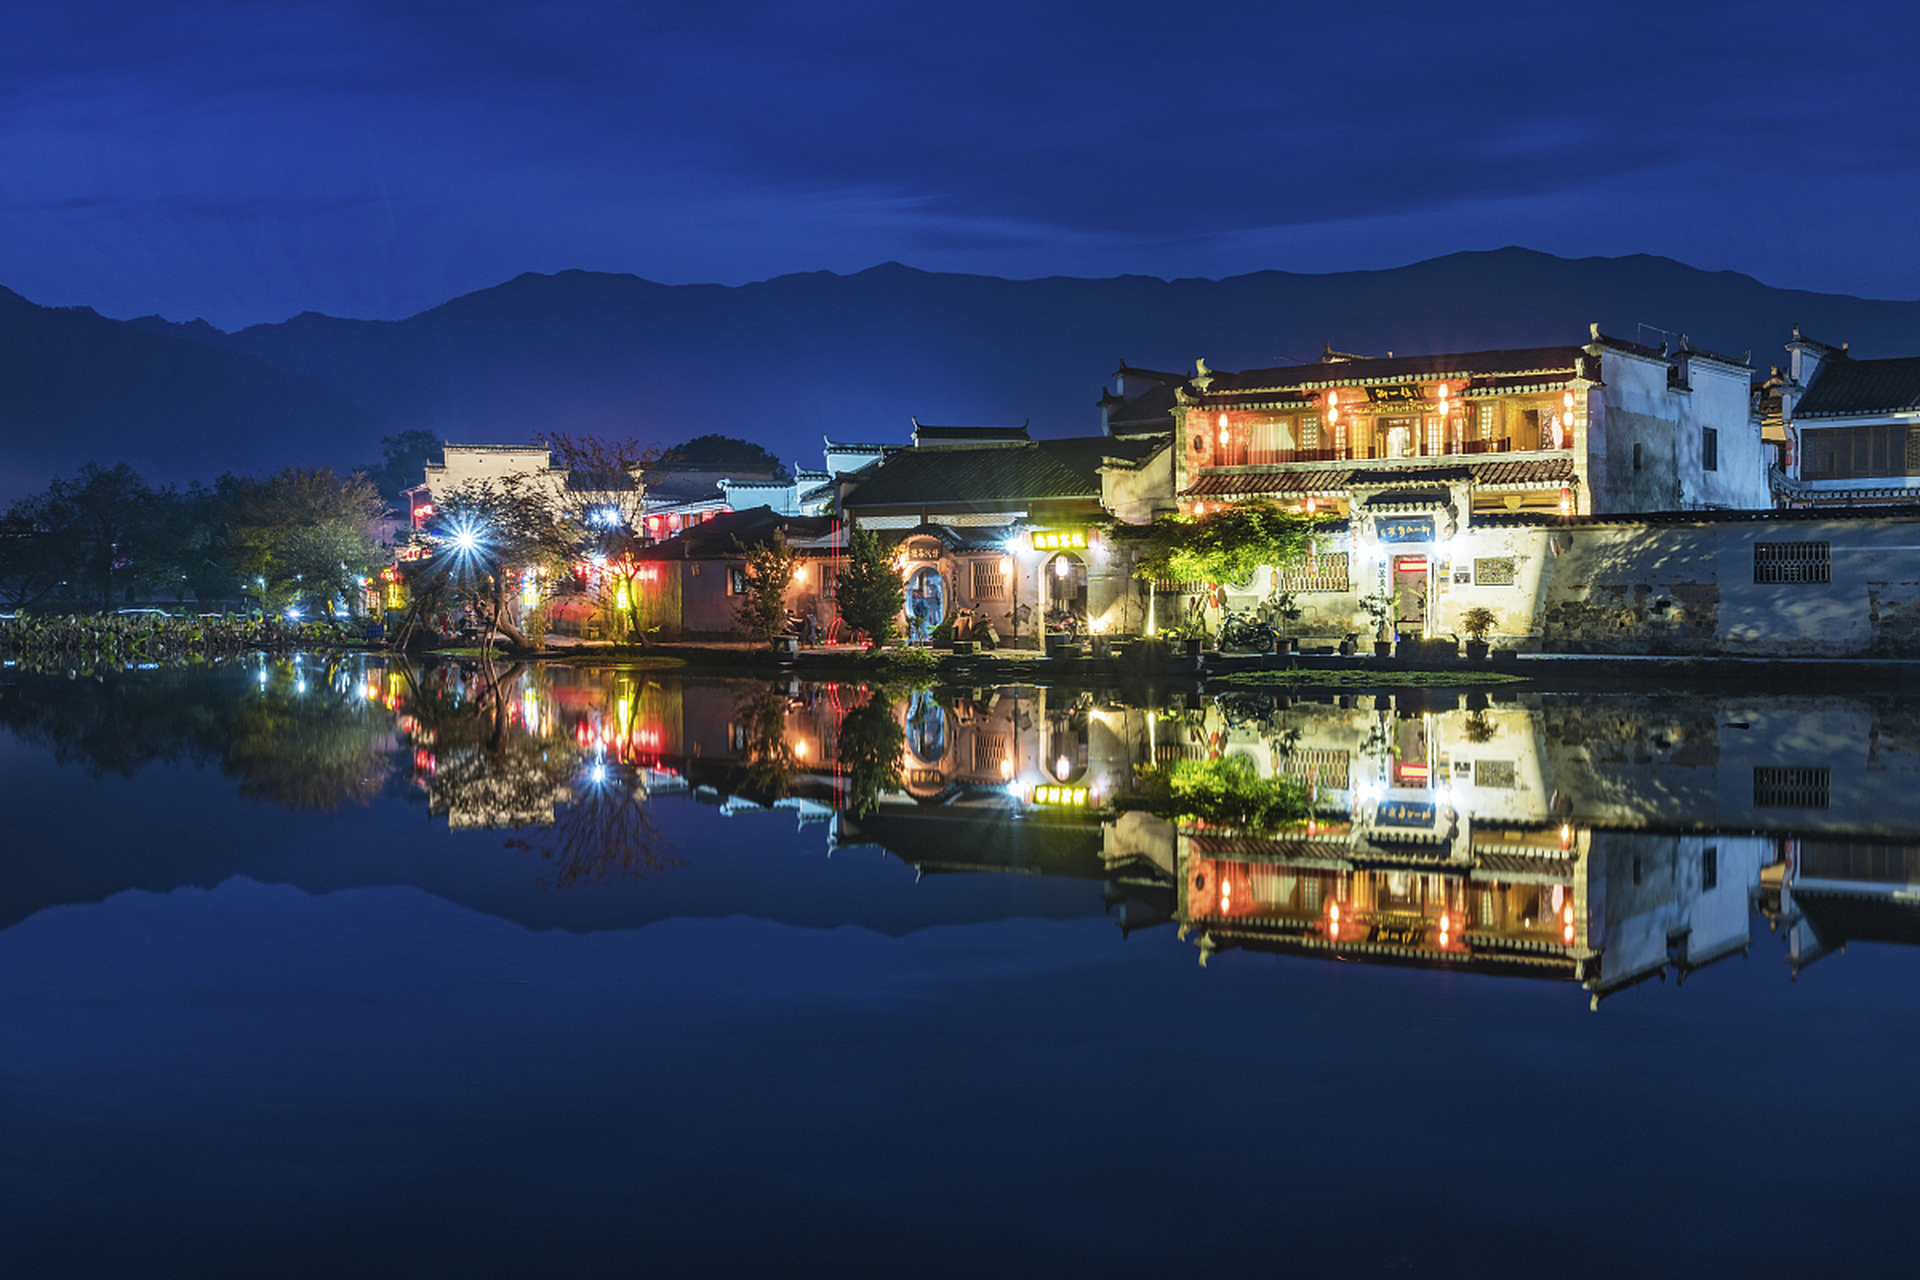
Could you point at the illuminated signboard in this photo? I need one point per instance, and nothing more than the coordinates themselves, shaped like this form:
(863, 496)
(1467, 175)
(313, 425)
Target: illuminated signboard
(1406, 529)
(1060, 795)
(1405, 393)
(1404, 813)
(1060, 540)
(925, 552)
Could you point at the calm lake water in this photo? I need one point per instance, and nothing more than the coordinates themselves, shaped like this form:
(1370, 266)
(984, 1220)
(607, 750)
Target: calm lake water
(339, 968)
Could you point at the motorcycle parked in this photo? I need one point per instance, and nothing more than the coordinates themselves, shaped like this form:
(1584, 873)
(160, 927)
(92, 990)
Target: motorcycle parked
(1240, 630)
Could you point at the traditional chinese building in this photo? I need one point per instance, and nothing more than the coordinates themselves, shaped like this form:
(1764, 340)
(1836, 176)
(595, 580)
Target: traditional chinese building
(1606, 428)
(988, 518)
(1848, 430)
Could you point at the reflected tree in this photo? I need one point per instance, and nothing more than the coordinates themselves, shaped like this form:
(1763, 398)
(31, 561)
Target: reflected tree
(770, 761)
(872, 744)
(303, 743)
(603, 832)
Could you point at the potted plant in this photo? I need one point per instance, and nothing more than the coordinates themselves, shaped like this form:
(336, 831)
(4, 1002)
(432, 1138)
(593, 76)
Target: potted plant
(1351, 644)
(1379, 607)
(1284, 609)
(1477, 622)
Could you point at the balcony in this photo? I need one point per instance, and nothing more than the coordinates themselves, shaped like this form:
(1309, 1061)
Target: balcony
(1293, 457)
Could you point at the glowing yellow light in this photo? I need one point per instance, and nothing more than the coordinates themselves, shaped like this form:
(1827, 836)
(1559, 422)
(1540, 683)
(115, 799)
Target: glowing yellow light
(1567, 401)
(1333, 913)
(1006, 564)
(800, 574)
(1446, 922)
(1061, 568)
(1060, 765)
(1566, 934)
(1006, 768)
(1566, 835)
(800, 749)
(1567, 915)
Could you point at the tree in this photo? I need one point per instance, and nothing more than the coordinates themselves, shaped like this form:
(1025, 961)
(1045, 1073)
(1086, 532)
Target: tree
(761, 611)
(303, 533)
(1224, 546)
(101, 533)
(613, 473)
(870, 591)
(871, 747)
(404, 462)
(715, 450)
(484, 534)
(31, 566)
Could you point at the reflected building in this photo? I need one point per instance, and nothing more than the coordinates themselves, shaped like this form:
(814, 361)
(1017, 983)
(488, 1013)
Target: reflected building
(1604, 842)
(1598, 841)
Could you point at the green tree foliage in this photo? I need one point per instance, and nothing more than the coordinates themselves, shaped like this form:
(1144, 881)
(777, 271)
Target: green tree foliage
(760, 612)
(303, 533)
(870, 592)
(872, 745)
(92, 539)
(1228, 792)
(614, 473)
(722, 451)
(403, 462)
(1226, 545)
(485, 535)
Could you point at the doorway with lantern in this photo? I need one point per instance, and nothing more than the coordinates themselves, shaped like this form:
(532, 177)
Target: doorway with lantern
(1410, 596)
(1066, 612)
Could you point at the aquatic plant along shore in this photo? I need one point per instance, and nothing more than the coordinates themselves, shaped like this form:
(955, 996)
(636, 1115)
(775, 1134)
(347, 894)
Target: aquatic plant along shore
(116, 641)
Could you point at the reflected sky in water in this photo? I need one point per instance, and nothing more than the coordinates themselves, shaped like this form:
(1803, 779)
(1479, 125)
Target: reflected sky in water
(279, 997)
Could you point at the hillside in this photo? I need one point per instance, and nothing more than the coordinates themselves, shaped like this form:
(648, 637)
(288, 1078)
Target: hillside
(789, 360)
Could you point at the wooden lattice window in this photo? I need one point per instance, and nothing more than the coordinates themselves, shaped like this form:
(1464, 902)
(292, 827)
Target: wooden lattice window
(1317, 767)
(1793, 562)
(1324, 572)
(1777, 787)
(989, 750)
(988, 582)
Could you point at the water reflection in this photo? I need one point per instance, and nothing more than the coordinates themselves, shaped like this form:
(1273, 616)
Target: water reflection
(1598, 841)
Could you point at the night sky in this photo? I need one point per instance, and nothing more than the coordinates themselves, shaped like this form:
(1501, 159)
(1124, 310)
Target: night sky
(246, 161)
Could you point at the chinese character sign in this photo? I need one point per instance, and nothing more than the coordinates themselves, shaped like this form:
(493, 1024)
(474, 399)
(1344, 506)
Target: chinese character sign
(1406, 529)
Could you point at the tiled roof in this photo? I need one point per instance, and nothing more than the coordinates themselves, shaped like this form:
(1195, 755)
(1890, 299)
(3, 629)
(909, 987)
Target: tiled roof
(1523, 471)
(716, 537)
(1455, 364)
(1519, 519)
(1152, 409)
(936, 477)
(926, 433)
(1328, 480)
(1845, 388)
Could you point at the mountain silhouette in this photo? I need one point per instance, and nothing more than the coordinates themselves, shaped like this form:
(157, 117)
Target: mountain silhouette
(787, 361)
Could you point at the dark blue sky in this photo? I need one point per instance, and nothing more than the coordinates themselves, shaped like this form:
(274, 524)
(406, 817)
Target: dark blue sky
(246, 161)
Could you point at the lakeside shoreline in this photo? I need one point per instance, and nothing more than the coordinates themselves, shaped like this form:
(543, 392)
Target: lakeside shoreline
(129, 640)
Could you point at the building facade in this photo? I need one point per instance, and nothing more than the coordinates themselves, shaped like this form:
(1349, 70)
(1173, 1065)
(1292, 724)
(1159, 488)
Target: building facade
(1847, 430)
(1015, 529)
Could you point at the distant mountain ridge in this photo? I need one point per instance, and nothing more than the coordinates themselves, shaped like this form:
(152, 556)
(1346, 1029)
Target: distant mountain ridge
(786, 361)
